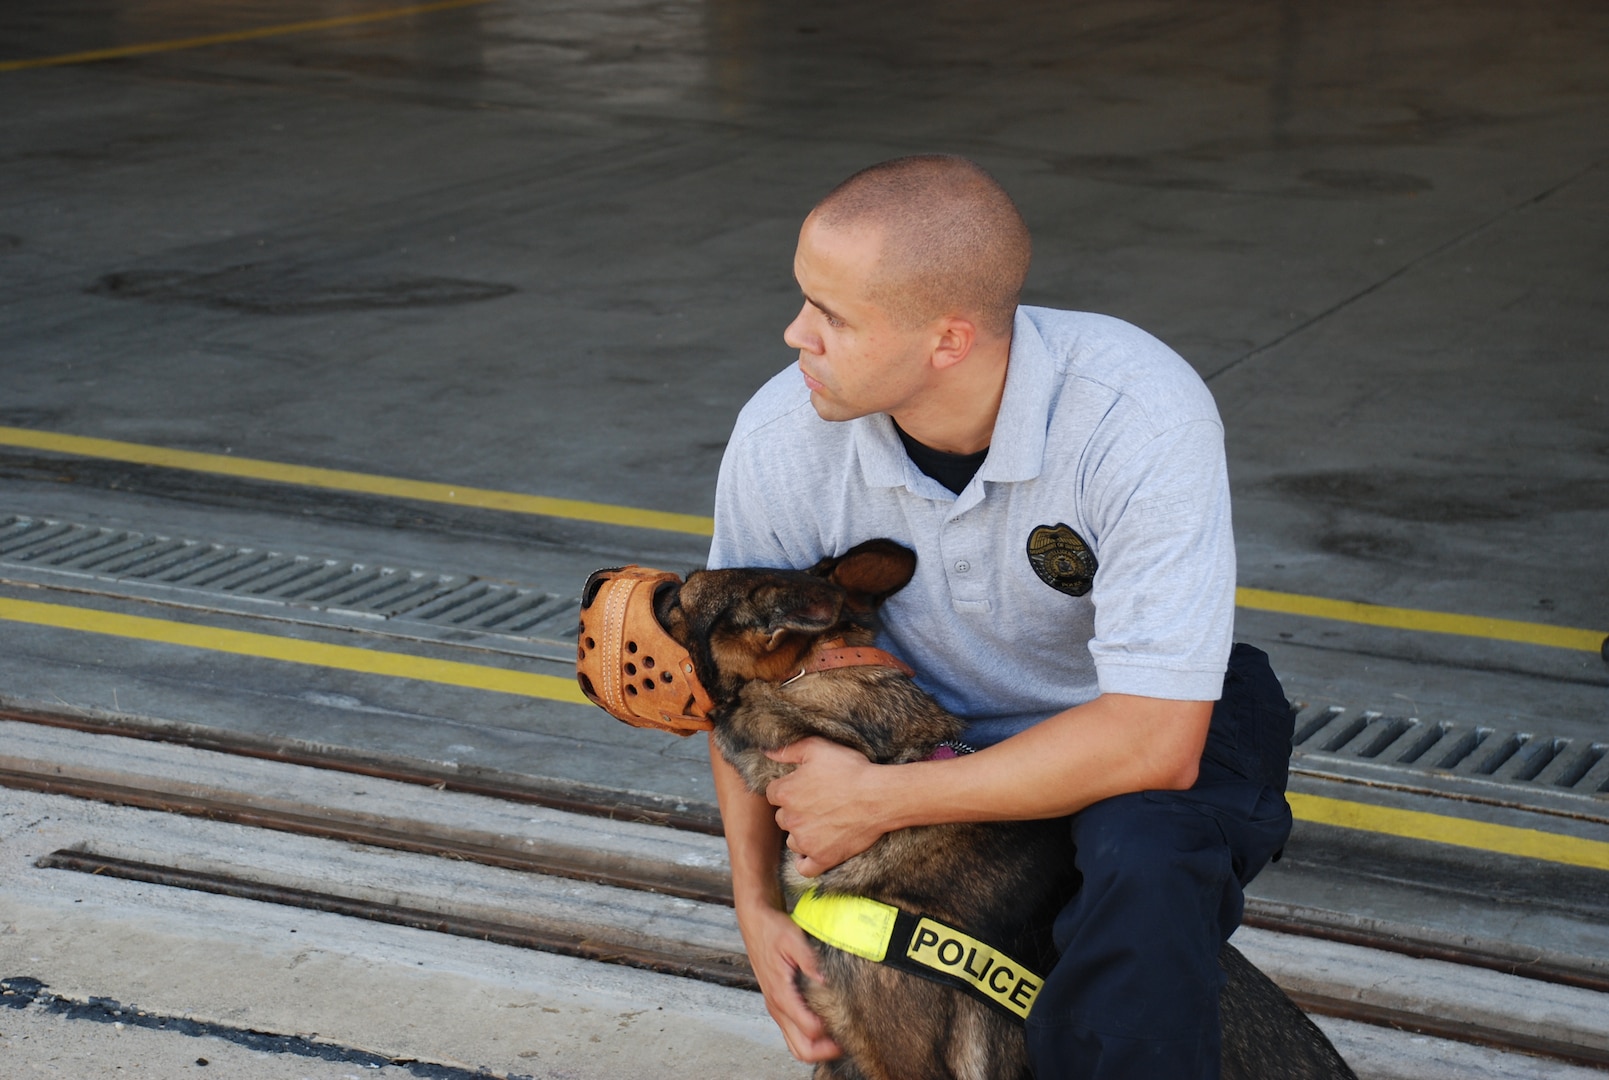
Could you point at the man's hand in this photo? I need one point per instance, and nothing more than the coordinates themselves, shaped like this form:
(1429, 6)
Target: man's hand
(777, 949)
(826, 805)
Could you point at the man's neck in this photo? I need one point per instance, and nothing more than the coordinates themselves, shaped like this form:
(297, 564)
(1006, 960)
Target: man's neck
(958, 415)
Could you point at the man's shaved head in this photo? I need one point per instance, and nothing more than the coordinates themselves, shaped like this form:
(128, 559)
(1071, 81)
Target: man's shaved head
(953, 242)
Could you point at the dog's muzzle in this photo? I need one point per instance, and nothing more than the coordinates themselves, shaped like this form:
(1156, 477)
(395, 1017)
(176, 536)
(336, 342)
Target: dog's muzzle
(625, 661)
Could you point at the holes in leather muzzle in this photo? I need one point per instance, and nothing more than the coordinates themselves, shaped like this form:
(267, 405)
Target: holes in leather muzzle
(644, 666)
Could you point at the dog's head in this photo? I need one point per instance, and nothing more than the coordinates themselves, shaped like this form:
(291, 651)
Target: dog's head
(740, 625)
(656, 651)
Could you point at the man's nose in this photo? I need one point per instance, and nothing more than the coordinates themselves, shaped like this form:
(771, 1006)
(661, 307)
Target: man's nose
(798, 334)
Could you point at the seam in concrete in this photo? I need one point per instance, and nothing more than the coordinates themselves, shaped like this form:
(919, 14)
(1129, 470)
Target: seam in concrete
(1412, 264)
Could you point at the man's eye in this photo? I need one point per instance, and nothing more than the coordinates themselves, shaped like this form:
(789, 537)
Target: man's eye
(835, 323)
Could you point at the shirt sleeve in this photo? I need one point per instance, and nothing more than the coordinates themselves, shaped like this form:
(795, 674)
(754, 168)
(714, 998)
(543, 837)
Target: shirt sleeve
(1164, 592)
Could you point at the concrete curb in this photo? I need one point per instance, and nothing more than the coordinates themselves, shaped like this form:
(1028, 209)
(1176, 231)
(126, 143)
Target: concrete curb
(208, 956)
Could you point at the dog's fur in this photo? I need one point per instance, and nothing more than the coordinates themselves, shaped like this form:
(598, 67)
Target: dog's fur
(748, 631)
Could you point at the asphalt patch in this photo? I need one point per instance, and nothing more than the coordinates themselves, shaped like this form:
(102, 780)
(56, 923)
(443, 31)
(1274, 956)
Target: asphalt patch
(270, 289)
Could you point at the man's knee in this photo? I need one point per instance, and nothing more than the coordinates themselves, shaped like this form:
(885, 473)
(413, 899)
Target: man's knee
(1252, 724)
(1146, 841)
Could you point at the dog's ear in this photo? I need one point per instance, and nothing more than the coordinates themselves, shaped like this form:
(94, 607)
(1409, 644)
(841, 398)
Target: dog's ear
(869, 572)
(803, 608)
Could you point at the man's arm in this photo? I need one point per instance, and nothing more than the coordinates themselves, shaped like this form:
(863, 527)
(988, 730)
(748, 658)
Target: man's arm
(835, 804)
(777, 948)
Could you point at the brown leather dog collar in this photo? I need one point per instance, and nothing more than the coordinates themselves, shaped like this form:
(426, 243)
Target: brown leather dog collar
(830, 655)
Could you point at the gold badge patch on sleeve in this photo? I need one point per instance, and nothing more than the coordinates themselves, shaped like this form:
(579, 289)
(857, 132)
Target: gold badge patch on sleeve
(1062, 559)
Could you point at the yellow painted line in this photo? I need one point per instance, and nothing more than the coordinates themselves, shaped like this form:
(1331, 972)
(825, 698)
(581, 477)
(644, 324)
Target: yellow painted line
(1559, 637)
(364, 483)
(1460, 832)
(293, 651)
(121, 51)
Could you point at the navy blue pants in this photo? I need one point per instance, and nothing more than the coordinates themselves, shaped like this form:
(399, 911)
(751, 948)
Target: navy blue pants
(1135, 993)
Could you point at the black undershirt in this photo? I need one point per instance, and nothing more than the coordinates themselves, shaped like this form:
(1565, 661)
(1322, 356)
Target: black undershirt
(954, 471)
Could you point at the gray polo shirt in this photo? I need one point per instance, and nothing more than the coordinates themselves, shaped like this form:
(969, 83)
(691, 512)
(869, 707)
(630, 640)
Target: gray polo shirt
(1107, 441)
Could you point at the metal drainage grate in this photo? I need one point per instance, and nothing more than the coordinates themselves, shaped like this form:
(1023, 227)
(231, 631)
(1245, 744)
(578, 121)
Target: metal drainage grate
(332, 585)
(1331, 733)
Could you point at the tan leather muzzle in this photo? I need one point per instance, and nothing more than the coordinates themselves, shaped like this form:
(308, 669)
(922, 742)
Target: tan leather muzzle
(626, 663)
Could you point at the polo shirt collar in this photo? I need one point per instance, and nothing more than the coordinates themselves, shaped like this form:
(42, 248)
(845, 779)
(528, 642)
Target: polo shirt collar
(1017, 447)
(883, 461)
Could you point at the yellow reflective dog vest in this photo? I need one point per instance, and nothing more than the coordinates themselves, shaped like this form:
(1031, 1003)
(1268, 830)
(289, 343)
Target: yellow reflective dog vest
(885, 934)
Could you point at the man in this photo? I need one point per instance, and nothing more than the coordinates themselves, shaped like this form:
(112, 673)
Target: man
(1061, 477)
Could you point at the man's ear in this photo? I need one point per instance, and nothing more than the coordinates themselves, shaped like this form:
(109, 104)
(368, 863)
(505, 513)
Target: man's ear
(798, 609)
(956, 337)
(870, 572)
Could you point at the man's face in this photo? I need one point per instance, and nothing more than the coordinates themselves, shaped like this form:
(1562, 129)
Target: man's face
(856, 359)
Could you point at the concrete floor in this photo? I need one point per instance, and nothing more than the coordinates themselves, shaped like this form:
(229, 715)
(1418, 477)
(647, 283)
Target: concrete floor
(545, 247)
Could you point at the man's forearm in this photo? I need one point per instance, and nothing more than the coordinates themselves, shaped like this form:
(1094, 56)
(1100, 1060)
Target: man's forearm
(778, 950)
(1111, 746)
(836, 804)
(753, 841)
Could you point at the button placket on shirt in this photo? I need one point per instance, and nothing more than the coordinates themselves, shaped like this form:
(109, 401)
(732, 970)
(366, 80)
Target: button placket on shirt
(963, 565)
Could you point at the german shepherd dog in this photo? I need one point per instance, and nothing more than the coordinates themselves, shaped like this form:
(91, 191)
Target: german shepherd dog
(749, 632)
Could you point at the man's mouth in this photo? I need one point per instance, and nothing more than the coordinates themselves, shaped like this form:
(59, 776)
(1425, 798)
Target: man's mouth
(814, 385)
